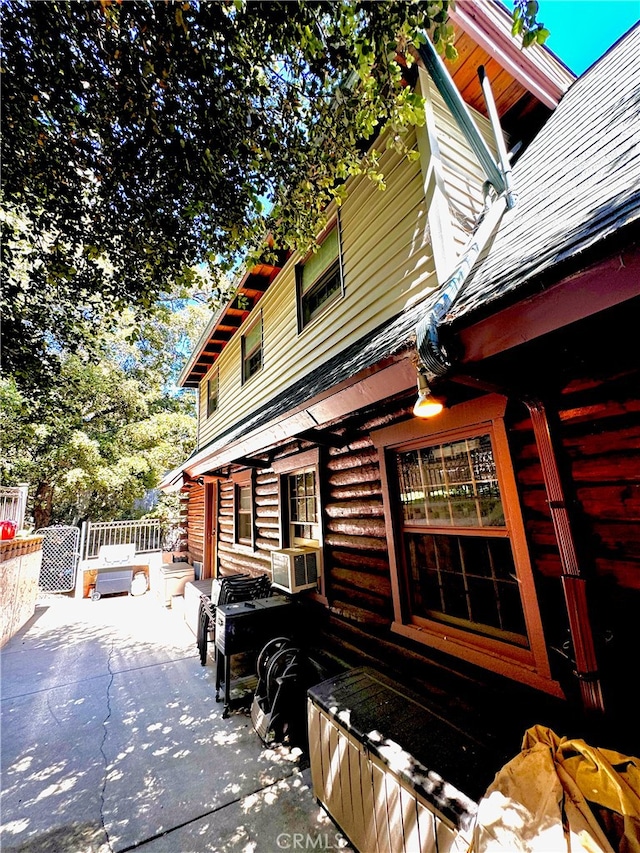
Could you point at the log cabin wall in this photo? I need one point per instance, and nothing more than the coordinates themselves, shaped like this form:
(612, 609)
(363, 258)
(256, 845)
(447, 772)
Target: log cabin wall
(599, 429)
(234, 558)
(599, 425)
(195, 522)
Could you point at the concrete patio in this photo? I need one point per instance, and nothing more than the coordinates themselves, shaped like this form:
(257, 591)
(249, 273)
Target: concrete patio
(112, 741)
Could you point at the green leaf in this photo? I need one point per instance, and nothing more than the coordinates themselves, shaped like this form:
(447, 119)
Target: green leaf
(542, 35)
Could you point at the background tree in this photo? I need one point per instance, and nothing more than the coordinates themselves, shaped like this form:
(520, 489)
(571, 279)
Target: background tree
(99, 441)
(144, 141)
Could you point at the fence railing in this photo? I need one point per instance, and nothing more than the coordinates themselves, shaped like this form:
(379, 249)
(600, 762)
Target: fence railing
(145, 534)
(13, 504)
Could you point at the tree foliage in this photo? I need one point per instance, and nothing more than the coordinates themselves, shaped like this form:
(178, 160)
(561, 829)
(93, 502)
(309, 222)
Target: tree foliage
(146, 141)
(107, 430)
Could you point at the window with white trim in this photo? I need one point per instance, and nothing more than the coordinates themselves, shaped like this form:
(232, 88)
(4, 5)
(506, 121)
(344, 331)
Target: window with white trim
(212, 394)
(302, 494)
(319, 278)
(252, 350)
(461, 575)
(301, 504)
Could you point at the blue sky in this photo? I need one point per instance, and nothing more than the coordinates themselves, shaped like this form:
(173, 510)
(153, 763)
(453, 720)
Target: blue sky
(582, 30)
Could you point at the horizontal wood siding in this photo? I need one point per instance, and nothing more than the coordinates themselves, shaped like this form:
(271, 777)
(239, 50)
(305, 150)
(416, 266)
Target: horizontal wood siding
(387, 265)
(234, 558)
(463, 175)
(355, 539)
(195, 522)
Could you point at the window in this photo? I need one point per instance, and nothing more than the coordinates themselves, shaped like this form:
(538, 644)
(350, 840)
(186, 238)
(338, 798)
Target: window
(467, 578)
(303, 507)
(300, 502)
(461, 576)
(252, 350)
(243, 508)
(212, 394)
(319, 279)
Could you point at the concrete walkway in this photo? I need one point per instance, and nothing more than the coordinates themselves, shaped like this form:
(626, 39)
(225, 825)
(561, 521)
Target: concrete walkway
(112, 741)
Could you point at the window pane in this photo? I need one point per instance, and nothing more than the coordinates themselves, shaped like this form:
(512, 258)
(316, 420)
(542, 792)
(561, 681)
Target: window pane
(320, 260)
(244, 526)
(451, 484)
(321, 293)
(468, 581)
(253, 338)
(245, 498)
(253, 364)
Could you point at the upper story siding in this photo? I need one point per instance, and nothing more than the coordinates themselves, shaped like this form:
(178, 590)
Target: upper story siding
(387, 262)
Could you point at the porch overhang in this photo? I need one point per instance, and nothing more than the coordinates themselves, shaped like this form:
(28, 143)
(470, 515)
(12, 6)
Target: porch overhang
(393, 376)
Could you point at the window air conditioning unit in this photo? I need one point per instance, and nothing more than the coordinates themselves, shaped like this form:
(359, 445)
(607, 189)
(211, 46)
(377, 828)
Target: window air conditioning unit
(295, 569)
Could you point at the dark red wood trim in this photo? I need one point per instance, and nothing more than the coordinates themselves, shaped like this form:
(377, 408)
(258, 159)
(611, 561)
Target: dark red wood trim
(575, 298)
(573, 582)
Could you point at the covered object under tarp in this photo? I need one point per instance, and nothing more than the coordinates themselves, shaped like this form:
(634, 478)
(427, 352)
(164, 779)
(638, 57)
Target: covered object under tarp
(561, 795)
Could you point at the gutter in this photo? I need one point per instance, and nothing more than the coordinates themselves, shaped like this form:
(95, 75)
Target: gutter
(433, 357)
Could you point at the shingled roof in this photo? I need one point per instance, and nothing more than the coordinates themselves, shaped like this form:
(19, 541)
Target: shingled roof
(577, 184)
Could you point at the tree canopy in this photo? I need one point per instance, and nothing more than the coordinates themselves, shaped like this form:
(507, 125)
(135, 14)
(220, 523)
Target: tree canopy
(144, 142)
(108, 429)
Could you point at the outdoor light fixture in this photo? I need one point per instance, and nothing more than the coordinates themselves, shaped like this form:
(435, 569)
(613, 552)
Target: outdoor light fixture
(427, 406)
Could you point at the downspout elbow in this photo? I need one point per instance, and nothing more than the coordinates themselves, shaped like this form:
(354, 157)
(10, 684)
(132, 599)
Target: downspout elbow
(435, 360)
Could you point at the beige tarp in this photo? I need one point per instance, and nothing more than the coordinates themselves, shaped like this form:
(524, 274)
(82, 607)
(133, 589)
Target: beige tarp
(561, 795)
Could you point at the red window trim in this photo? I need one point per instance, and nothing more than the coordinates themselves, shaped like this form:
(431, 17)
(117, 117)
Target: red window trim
(531, 665)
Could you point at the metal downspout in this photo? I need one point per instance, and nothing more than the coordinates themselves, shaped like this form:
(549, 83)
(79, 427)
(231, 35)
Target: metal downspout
(433, 356)
(505, 163)
(573, 581)
(441, 77)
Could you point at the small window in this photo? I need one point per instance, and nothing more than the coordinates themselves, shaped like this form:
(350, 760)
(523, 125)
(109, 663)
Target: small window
(301, 504)
(212, 394)
(319, 279)
(252, 351)
(244, 526)
(303, 508)
(243, 508)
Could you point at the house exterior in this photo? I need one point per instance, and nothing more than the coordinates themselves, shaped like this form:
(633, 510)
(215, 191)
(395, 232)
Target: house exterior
(450, 556)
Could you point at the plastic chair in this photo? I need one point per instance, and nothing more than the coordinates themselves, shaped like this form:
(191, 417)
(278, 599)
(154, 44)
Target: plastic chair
(227, 590)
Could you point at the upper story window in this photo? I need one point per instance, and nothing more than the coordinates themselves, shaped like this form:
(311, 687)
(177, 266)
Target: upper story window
(461, 575)
(212, 394)
(252, 350)
(319, 278)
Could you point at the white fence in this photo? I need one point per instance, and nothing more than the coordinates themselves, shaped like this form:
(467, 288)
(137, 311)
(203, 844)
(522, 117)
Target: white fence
(145, 535)
(13, 504)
